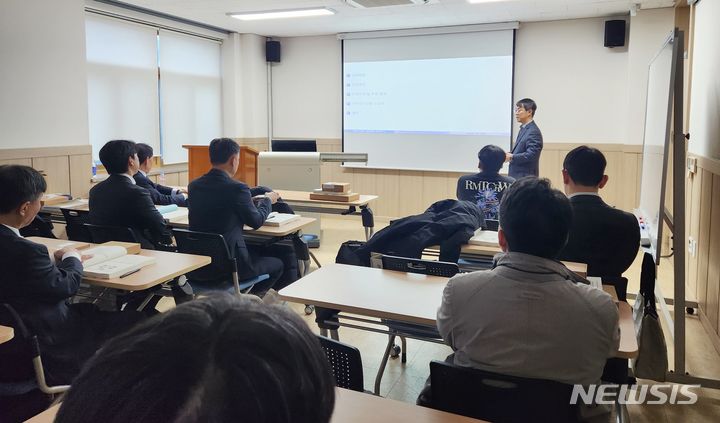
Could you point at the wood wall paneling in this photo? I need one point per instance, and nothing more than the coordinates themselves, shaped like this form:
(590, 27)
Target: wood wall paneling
(24, 162)
(80, 173)
(410, 192)
(713, 280)
(703, 248)
(57, 171)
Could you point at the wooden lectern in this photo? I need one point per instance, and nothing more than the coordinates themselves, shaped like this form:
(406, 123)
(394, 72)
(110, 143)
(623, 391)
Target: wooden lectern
(199, 163)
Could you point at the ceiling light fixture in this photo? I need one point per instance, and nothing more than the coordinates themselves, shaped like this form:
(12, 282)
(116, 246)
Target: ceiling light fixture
(281, 14)
(483, 1)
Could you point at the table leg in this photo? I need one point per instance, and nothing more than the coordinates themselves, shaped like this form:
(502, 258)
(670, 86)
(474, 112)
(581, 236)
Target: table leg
(368, 221)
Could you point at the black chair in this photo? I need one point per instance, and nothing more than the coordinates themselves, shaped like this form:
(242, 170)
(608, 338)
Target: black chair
(40, 226)
(74, 225)
(345, 362)
(491, 225)
(102, 233)
(402, 329)
(425, 267)
(23, 389)
(215, 276)
(499, 398)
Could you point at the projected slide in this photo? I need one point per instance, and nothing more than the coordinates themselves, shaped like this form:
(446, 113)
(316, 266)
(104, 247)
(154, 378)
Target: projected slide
(427, 102)
(453, 96)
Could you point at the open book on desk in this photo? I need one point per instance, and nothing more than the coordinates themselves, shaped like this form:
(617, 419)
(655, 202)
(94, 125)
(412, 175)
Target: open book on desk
(110, 262)
(484, 238)
(279, 219)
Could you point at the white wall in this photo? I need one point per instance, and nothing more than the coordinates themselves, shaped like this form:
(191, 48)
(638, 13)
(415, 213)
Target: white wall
(42, 76)
(705, 97)
(307, 96)
(244, 86)
(648, 31)
(585, 91)
(578, 84)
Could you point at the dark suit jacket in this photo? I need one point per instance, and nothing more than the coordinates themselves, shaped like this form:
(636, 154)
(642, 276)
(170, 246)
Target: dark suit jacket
(116, 201)
(223, 205)
(605, 238)
(526, 152)
(38, 289)
(160, 194)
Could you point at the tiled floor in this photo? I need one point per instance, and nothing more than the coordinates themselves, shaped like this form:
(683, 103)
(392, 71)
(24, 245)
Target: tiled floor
(404, 382)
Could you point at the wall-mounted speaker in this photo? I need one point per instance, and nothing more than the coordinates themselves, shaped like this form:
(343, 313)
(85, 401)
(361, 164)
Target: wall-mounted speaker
(272, 51)
(615, 33)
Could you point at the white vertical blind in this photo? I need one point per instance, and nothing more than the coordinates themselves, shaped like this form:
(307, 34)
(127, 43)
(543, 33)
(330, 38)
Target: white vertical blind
(190, 93)
(122, 82)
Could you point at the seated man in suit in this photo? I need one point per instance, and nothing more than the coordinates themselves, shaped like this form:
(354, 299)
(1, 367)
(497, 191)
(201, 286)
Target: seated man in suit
(38, 285)
(529, 316)
(161, 195)
(220, 204)
(605, 238)
(118, 201)
(485, 189)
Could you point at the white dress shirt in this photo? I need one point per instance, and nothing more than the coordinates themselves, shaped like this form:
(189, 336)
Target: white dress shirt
(52, 257)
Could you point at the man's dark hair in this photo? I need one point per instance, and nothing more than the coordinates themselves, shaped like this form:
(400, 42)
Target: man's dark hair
(535, 217)
(491, 158)
(527, 104)
(585, 165)
(19, 184)
(217, 359)
(221, 149)
(144, 152)
(114, 155)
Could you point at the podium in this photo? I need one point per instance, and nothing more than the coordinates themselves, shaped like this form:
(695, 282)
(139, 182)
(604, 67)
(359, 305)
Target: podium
(199, 163)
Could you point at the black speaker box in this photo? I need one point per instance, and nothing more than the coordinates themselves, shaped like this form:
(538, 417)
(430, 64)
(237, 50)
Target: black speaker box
(272, 51)
(615, 33)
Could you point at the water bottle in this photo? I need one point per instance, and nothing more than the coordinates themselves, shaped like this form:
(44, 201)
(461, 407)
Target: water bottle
(94, 169)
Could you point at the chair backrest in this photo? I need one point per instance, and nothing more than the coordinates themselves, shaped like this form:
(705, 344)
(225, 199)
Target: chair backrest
(620, 283)
(103, 233)
(223, 264)
(40, 226)
(495, 397)
(492, 225)
(345, 362)
(74, 221)
(16, 354)
(425, 267)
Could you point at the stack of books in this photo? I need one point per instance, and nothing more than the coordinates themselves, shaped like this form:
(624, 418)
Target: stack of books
(335, 191)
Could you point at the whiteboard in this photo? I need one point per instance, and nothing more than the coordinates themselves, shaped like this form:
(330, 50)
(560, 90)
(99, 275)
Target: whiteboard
(656, 141)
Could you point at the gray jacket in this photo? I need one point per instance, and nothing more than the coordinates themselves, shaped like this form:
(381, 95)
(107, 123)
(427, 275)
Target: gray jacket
(527, 317)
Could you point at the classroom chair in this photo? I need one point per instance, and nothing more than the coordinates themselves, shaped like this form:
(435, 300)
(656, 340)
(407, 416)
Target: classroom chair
(346, 364)
(24, 391)
(103, 233)
(40, 226)
(499, 398)
(223, 268)
(74, 225)
(402, 329)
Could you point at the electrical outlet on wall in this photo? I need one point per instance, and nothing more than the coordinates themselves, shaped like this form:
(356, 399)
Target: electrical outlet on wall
(692, 246)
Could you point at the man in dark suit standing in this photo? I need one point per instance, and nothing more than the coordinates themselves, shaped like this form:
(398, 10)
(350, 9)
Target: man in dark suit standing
(160, 194)
(118, 201)
(38, 286)
(605, 238)
(222, 205)
(525, 156)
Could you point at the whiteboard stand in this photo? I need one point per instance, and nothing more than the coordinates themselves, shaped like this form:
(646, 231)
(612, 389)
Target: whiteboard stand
(676, 223)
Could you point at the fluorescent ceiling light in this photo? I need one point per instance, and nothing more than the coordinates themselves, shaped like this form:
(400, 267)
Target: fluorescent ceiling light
(280, 14)
(484, 1)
